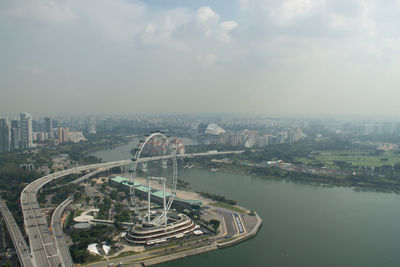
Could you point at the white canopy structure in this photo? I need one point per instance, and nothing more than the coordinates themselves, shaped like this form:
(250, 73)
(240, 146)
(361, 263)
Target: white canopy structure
(214, 129)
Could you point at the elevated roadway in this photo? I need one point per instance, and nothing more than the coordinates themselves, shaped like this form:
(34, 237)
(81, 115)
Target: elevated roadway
(16, 236)
(42, 244)
(80, 179)
(59, 237)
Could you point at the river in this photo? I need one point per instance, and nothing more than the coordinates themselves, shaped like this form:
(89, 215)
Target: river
(303, 225)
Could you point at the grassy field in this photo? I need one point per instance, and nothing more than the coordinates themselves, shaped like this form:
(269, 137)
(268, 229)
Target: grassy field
(227, 206)
(356, 158)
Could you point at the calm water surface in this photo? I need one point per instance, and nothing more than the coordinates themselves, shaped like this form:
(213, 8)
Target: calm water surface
(303, 225)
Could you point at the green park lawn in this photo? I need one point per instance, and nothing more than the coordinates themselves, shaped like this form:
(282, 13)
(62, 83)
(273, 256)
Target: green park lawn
(356, 158)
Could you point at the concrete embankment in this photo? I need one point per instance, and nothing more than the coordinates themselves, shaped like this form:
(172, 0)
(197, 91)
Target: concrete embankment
(179, 255)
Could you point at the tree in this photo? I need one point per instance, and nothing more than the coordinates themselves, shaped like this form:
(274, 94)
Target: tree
(215, 224)
(77, 195)
(114, 195)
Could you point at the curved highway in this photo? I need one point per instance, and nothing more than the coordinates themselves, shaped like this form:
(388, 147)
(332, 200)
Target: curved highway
(61, 243)
(42, 244)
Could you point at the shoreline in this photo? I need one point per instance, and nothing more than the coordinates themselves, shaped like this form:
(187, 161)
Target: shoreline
(359, 187)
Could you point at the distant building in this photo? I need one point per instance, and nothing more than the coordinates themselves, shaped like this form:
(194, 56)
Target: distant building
(41, 136)
(14, 139)
(26, 130)
(65, 134)
(15, 134)
(214, 129)
(281, 137)
(76, 136)
(36, 126)
(5, 135)
(91, 126)
(60, 135)
(27, 167)
(48, 125)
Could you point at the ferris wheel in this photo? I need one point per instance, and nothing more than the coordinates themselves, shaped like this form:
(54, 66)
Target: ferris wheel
(168, 154)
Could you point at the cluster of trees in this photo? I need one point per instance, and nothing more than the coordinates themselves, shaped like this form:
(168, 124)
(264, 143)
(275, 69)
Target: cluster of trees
(114, 195)
(12, 181)
(182, 184)
(389, 171)
(216, 197)
(61, 193)
(342, 164)
(214, 224)
(81, 241)
(122, 215)
(104, 208)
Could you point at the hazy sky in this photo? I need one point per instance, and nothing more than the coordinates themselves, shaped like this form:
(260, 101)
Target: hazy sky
(272, 57)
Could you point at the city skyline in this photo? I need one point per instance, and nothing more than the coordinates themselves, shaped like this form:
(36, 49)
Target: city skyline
(293, 57)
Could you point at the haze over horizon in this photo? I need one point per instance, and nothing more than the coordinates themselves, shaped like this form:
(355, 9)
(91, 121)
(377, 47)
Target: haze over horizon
(257, 57)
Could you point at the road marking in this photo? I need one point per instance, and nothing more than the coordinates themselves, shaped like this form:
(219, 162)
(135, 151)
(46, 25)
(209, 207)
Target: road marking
(244, 225)
(238, 223)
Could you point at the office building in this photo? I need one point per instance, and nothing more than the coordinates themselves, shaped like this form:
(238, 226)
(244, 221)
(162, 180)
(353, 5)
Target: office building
(48, 125)
(5, 135)
(15, 134)
(91, 126)
(26, 130)
(65, 134)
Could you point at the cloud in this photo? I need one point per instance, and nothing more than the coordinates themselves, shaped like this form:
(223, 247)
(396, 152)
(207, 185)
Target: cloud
(291, 10)
(359, 19)
(43, 10)
(208, 23)
(207, 16)
(278, 54)
(199, 33)
(225, 28)
(318, 17)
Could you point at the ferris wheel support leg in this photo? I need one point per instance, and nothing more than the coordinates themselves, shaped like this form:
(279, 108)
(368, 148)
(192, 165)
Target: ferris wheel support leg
(165, 207)
(132, 189)
(148, 199)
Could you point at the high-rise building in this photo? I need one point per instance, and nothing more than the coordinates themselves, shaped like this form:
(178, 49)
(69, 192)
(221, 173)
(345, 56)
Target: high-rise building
(15, 134)
(60, 135)
(26, 130)
(35, 126)
(14, 139)
(48, 125)
(65, 134)
(5, 135)
(91, 126)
